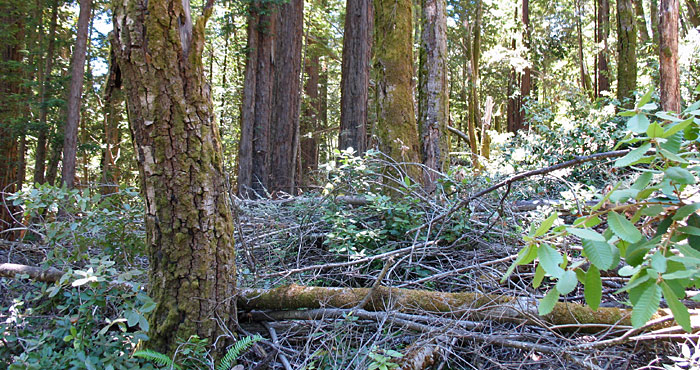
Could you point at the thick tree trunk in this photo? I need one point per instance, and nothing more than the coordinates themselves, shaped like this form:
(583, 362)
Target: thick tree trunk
(668, 56)
(70, 136)
(354, 81)
(626, 53)
(256, 113)
(189, 228)
(393, 49)
(12, 34)
(602, 34)
(434, 91)
(309, 120)
(284, 126)
(641, 21)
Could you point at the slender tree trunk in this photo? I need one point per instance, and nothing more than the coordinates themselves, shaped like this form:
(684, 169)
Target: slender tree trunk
(434, 91)
(602, 33)
(513, 108)
(583, 68)
(323, 107)
(189, 228)
(70, 143)
(473, 107)
(354, 81)
(641, 21)
(393, 50)
(654, 10)
(287, 87)
(12, 25)
(693, 12)
(626, 53)
(309, 120)
(668, 56)
(113, 100)
(525, 82)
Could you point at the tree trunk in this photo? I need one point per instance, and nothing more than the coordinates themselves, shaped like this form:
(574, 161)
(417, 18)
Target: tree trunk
(189, 229)
(434, 91)
(654, 10)
(43, 129)
(641, 21)
(256, 113)
(602, 34)
(525, 82)
(693, 12)
(393, 49)
(354, 81)
(668, 56)
(12, 16)
(583, 68)
(626, 53)
(70, 136)
(113, 100)
(309, 120)
(284, 126)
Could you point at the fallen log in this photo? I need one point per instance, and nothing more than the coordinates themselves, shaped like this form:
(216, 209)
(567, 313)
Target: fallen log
(48, 275)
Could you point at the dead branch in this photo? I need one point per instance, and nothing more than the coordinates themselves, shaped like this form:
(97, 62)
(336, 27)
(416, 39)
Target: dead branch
(12, 270)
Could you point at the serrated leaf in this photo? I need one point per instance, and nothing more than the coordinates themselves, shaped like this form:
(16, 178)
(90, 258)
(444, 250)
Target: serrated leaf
(680, 312)
(586, 234)
(593, 288)
(548, 302)
(672, 143)
(628, 270)
(599, 253)
(646, 306)
(633, 156)
(642, 181)
(539, 276)
(655, 130)
(550, 260)
(546, 224)
(639, 123)
(623, 228)
(567, 282)
(680, 175)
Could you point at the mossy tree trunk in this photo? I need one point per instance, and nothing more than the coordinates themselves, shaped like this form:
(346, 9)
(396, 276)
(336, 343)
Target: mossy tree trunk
(626, 52)
(354, 82)
(433, 108)
(188, 216)
(668, 56)
(642, 30)
(602, 59)
(393, 64)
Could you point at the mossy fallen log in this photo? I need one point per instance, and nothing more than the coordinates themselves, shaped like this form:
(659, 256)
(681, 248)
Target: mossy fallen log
(48, 275)
(462, 305)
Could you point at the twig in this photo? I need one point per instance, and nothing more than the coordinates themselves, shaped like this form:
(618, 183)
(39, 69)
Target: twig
(273, 335)
(382, 273)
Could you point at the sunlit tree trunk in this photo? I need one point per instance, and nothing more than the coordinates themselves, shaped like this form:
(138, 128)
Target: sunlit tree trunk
(189, 228)
(668, 56)
(434, 92)
(474, 56)
(70, 143)
(113, 101)
(393, 50)
(626, 53)
(525, 82)
(641, 21)
(583, 68)
(354, 82)
(513, 108)
(45, 82)
(654, 10)
(602, 33)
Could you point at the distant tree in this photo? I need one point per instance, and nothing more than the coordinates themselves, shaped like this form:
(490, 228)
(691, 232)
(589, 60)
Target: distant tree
(354, 82)
(70, 143)
(693, 12)
(310, 114)
(642, 30)
(393, 65)
(602, 58)
(189, 227)
(626, 52)
(433, 106)
(668, 56)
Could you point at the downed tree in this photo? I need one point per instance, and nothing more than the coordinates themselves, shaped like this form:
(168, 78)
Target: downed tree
(13, 270)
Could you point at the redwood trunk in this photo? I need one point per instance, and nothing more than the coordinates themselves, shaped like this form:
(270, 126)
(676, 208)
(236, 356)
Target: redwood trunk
(626, 53)
(668, 56)
(354, 82)
(309, 120)
(188, 216)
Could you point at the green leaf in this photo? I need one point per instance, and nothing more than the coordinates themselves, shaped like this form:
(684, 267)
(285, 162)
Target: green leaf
(680, 175)
(672, 143)
(633, 156)
(690, 230)
(646, 306)
(599, 253)
(586, 234)
(550, 260)
(680, 312)
(682, 274)
(132, 317)
(548, 302)
(567, 282)
(593, 288)
(639, 123)
(642, 181)
(685, 211)
(539, 276)
(667, 117)
(671, 130)
(623, 228)
(526, 255)
(655, 130)
(658, 262)
(546, 224)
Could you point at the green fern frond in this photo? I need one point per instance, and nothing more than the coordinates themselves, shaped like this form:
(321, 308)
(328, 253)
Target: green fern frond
(156, 357)
(232, 355)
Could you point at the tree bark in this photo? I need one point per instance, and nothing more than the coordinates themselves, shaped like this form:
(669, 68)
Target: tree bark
(626, 53)
(583, 67)
(641, 21)
(70, 136)
(654, 10)
(113, 101)
(285, 109)
(693, 12)
(433, 108)
(668, 56)
(393, 49)
(309, 120)
(189, 228)
(602, 34)
(354, 81)
(525, 81)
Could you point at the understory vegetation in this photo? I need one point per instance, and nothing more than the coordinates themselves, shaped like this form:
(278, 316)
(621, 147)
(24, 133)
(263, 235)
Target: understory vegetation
(614, 234)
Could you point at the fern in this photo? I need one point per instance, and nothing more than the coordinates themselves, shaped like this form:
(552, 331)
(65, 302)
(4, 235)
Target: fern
(157, 358)
(235, 351)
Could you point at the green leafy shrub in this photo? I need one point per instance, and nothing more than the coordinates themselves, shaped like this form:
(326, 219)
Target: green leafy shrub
(652, 225)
